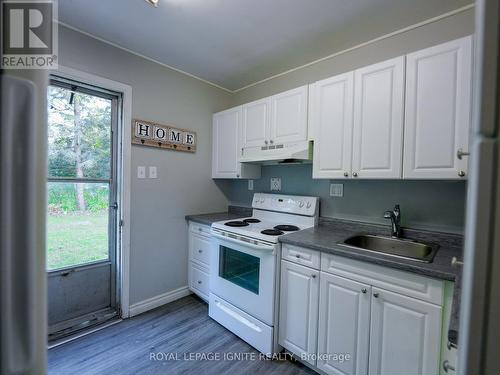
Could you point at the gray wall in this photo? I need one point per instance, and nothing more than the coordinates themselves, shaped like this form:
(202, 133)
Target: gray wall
(425, 204)
(437, 205)
(453, 27)
(158, 258)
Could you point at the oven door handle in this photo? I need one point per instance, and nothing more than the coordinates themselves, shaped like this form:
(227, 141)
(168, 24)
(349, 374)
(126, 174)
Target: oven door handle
(251, 245)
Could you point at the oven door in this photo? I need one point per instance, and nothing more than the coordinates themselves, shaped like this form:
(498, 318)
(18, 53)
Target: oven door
(244, 275)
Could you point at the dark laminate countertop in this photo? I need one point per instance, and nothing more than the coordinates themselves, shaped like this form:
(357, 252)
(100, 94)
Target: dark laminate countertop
(233, 212)
(325, 236)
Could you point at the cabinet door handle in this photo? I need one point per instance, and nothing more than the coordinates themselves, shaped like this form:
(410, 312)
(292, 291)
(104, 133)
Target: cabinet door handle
(266, 142)
(297, 256)
(313, 276)
(271, 141)
(363, 290)
(199, 281)
(346, 174)
(354, 174)
(200, 251)
(375, 295)
(461, 174)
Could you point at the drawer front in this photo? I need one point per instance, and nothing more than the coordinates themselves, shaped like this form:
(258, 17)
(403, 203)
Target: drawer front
(300, 255)
(200, 280)
(200, 249)
(406, 283)
(200, 229)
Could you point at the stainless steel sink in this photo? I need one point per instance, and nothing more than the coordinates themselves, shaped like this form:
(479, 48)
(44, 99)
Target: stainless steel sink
(397, 247)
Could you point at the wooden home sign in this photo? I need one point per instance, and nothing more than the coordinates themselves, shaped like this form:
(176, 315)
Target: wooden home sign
(162, 136)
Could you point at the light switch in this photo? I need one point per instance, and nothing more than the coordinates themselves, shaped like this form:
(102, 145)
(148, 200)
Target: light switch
(275, 184)
(250, 184)
(141, 172)
(336, 190)
(152, 172)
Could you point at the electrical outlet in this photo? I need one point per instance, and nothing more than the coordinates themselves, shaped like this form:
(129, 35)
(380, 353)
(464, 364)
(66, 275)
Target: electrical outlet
(250, 184)
(275, 184)
(153, 172)
(336, 190)
(141, 172)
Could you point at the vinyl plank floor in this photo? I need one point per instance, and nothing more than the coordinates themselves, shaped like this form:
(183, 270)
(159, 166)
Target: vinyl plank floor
(166, 341)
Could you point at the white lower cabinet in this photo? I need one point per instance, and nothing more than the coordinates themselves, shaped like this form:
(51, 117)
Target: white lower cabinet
(299, 309)
(405, 335)
(344, 325)
(200, 246)
(360, 322)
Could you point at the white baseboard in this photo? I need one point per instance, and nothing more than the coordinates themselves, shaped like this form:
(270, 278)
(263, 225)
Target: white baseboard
(159, 300)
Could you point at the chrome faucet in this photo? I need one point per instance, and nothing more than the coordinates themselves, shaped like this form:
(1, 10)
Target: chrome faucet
(395, 216)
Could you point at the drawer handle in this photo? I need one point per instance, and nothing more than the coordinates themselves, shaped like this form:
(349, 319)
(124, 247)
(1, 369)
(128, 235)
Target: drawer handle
(375, 295)
(313, 276)
(200, 251)
(199, 281)
(447, 367)
(298, 256)
(200, 229)
(363, 290)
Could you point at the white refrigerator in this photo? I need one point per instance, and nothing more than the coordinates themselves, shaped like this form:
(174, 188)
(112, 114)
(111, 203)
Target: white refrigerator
(23, 138)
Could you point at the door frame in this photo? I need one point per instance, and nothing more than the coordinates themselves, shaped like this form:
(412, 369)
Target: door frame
(123, 179)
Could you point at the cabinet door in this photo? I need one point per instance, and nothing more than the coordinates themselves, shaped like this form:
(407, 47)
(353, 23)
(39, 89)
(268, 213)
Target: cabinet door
(344, 325)
(378, 120)
(332, 124)
(298, 309)
(438, 102)
(255, 129)
(225, 140)
(289, 116)
(405, 335)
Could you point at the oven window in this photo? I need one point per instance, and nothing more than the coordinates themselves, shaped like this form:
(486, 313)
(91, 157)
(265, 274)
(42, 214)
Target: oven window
(239, 268)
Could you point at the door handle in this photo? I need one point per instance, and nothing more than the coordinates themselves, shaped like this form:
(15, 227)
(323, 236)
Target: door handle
(461, 153)
(114, 206)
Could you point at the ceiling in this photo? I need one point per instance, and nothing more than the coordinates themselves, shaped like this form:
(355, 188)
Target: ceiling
(234, 43)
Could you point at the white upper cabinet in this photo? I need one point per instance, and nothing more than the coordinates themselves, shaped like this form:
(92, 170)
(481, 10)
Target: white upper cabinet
(405, 335)
(332, 123)
(275, 126)
(289, 116)
(344, 324)
(378, 120)
(256, 120)
(226, 147)
(438, 105)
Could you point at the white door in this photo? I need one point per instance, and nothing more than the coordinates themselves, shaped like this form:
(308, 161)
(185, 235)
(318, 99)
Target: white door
(226, 143)
(255, 119)
(298, 322)
(344, 325)
(405, 335)
(332, 123)
(378, 120)
(289, 116)
(438, 102)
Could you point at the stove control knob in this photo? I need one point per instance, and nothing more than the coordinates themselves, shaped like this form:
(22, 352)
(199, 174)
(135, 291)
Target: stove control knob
(301, 204)
(308, 205)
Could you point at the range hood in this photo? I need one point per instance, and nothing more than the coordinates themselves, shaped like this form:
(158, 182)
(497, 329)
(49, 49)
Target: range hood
(288, 153)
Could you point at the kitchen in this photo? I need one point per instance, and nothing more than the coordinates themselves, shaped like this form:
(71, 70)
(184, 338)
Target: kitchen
(313, 207)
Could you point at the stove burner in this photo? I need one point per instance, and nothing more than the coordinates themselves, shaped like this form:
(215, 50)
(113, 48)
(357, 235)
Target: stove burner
(286, 228)
(236, 224)
(251, 221)
(272, 232)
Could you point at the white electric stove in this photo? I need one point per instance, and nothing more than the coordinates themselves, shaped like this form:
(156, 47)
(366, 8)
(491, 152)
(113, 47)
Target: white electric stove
(245, 266)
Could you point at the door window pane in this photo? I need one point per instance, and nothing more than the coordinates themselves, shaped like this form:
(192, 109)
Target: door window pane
(79, 129)
(239, 268)
(77, 223)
